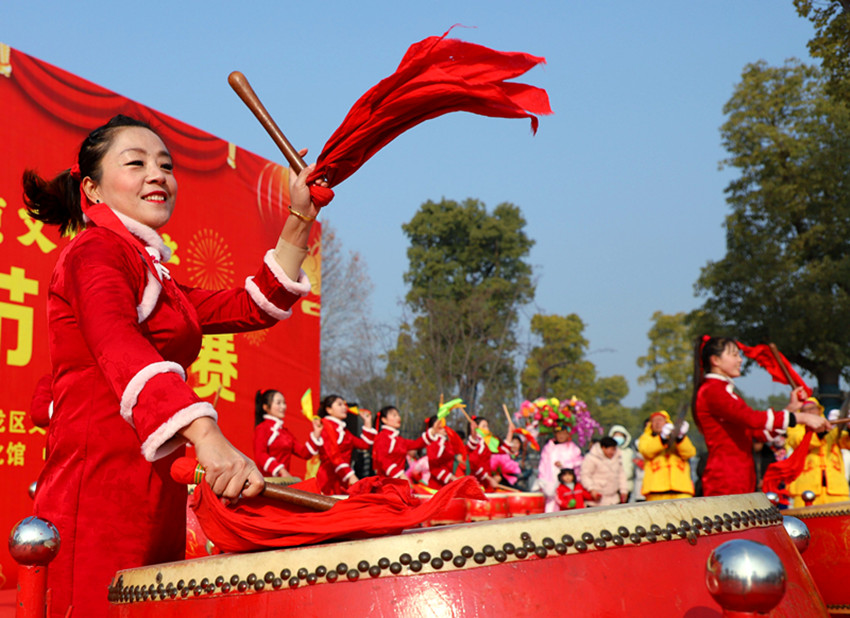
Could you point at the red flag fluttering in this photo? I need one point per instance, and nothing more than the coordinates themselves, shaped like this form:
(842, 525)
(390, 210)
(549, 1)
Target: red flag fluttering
(785, 471)
(375, 507)
(764, 357)
(437, 75)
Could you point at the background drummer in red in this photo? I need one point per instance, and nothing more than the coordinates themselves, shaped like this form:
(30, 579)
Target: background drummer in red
(274, 444)
(729, 424)
(482, 444)
(389, 453)
(334, 444)
(441, 456)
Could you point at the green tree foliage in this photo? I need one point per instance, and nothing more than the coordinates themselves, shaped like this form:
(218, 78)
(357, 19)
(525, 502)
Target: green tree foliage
(558, 367)
(831, 42)
(786, 272)
(668, 363)
(468, 276)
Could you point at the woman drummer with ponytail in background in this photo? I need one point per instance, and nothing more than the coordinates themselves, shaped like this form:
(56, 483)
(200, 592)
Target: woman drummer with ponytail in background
(729, 424)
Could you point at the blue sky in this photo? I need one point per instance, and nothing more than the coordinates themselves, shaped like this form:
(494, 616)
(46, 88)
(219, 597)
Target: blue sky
(620, 188)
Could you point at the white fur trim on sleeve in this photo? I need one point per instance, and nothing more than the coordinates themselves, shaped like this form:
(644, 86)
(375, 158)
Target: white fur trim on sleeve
(300, 287)
(165, 439)
(149, 297)
(276, 470)
(134, 387)
(390, 469)
(770, 420)
(264, 303)
(269, 461)
(50, 410)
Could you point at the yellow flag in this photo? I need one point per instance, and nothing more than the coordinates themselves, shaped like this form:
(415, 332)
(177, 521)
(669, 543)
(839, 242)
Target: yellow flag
(307, 404)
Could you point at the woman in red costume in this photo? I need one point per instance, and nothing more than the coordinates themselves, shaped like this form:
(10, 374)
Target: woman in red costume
(482, 445)
(334, 443)
(441, 455)
(729, 424)
(123, 333)
(274, 444)
(389, 452)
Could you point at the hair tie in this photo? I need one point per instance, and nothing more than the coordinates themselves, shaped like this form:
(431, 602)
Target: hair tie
(75, 171)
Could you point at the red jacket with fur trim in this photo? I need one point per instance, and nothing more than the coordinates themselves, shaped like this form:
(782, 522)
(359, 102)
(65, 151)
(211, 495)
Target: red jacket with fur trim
(441, 461)
(390, 451)
(274, 446)
(334, 449)
(120, 342)
(730, 426)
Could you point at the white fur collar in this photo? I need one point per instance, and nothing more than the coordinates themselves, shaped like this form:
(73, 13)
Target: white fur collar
(146, 234)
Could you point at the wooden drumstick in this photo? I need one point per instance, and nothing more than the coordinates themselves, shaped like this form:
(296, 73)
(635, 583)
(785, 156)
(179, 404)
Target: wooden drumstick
(240, 85)
(299, 497)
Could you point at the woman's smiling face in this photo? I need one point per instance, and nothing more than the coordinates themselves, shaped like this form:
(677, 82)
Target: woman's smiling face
(136, 177)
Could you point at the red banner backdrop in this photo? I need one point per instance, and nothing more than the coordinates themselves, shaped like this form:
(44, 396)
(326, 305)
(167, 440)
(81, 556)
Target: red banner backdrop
(232, 205)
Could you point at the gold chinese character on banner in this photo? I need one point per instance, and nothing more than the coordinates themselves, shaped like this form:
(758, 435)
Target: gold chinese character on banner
(18, 286)
(34, 235)
(16, 421)
(216, 367)
(15, 453)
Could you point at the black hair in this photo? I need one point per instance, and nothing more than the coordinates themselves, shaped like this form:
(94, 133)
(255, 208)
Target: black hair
(262, 398)
(379, 419)
(57, 201)
(563, 471)
(607, 441)
(326, 403)
(704, 348)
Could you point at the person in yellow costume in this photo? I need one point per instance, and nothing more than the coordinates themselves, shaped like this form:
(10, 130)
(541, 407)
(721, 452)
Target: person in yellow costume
(666, 475)
(823, 472)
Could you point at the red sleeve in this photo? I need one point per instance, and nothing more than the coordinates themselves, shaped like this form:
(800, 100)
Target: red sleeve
(366, 438)
(380, 453)
(299, 449)
(266, 298)
(719, 402)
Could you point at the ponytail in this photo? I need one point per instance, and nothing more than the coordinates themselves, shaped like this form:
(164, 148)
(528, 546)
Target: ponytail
(54, 202)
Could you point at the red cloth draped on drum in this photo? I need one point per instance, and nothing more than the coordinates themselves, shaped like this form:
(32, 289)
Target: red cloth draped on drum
(375, 507)
(437, 75)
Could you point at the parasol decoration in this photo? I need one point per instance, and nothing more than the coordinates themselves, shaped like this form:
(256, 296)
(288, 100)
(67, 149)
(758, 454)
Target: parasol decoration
(436, 76)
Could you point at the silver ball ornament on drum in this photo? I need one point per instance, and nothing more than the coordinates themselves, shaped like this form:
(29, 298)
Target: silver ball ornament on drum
(808, 497)
(31, 489)
(34, 541)
(798, 531)
(745, 576)
(772, 496)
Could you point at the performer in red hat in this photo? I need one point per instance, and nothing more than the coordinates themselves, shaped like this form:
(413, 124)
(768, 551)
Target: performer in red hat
(667, 471)
(274, 444)
(729, 424)
(122, 334)
(390, 449)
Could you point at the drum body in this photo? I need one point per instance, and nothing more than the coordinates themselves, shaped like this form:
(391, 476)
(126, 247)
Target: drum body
(625, 560)
(828, 554)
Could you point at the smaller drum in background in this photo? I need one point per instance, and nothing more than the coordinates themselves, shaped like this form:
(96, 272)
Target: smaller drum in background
(525, 503)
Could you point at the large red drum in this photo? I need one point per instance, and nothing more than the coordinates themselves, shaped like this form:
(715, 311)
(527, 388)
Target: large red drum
(624, 560)
(828, 554)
